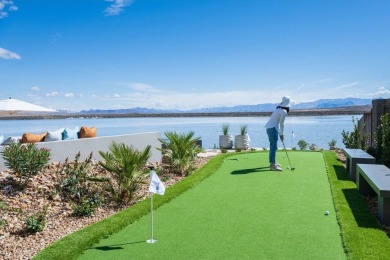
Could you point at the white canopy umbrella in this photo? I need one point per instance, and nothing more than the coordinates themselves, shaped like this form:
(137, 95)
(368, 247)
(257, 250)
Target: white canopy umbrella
(12, 105)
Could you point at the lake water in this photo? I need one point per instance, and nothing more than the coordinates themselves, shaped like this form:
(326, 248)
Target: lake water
(317, 130)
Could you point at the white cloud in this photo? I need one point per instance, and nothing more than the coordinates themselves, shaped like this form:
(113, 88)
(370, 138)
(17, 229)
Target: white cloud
(62, 94)
(52, 94)
(347, 85)
(35, 88)
(130, 95)
(5, 7)
(9, 55)
(117, 6)
(309, 85)
(381, 91)
(188, 100)
(142, 87)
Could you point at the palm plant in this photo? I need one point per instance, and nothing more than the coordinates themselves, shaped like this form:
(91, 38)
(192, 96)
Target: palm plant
(127, 165)
(179, 151)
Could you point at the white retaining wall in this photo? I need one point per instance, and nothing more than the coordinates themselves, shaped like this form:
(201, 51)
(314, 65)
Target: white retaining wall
(60, 150)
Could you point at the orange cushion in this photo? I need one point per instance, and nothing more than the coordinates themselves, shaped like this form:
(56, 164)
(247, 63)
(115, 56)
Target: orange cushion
(86, 132)
(33, 138)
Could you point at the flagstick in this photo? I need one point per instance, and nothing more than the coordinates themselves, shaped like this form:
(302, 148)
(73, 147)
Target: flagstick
(156, 186)
(152, 240)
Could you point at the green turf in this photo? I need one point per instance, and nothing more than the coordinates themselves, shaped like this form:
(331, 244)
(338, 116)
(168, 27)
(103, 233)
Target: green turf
(362, 235)
(243, 211)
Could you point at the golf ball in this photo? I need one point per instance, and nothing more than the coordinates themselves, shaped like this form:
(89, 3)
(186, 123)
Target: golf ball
(327, 212)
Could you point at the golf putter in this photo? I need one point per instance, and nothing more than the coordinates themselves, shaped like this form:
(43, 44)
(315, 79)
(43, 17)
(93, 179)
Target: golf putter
(291, 168)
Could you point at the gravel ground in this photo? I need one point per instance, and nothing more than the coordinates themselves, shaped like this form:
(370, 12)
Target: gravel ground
(16, 243)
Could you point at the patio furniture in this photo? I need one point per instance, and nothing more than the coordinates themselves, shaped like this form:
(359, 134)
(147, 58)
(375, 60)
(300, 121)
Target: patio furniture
(374, 179)
(355, 156)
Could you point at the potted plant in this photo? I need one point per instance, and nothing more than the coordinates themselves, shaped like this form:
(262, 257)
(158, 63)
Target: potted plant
(225, 140)
(242, 141)
(332, 144)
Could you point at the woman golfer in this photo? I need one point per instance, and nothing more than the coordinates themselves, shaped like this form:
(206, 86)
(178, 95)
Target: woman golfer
(275, 128)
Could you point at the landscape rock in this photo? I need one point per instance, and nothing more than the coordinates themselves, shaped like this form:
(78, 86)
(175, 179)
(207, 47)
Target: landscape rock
(16, 243)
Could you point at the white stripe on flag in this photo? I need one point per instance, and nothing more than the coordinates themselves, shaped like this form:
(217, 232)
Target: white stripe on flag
(156, 186)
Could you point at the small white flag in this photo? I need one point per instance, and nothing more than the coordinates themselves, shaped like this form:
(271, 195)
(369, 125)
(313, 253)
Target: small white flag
(156, 186)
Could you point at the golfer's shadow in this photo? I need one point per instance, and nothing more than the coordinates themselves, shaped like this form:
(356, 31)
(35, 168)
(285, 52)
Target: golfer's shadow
(247, 171)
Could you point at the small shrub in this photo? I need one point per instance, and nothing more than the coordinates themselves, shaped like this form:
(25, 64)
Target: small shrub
(3, 206)
(37, 222)
(224, 150)
(383, 141)
(2, 222)
(355, 139)
(313, 147)
(25, 161)
(87, 207)
(294, 148)
(77, 182)
(302, 144)
(332, 144)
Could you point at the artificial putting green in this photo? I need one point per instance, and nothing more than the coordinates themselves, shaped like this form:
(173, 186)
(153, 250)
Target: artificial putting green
(242, 211)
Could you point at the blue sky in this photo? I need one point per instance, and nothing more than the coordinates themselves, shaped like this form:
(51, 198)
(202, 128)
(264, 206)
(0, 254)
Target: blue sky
(185, 54)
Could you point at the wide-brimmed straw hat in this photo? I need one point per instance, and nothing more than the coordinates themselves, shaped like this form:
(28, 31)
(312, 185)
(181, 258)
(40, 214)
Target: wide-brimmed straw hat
(287, 102)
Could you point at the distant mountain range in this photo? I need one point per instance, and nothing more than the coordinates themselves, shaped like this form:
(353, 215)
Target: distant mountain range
(267, 107)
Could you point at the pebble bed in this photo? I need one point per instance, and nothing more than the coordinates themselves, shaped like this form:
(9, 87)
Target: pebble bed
(16, 243)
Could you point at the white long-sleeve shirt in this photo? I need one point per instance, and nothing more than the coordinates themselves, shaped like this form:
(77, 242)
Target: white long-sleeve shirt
(277, 120)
